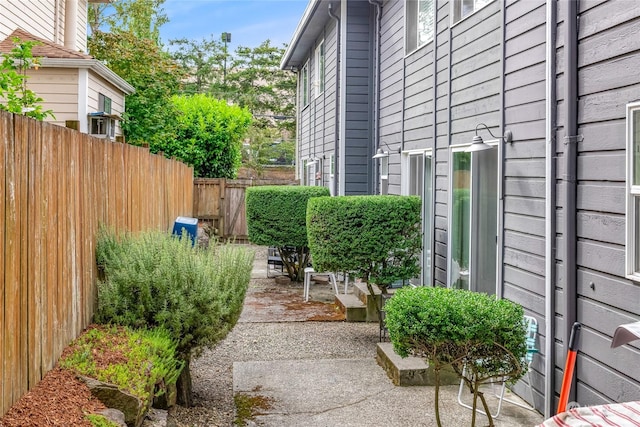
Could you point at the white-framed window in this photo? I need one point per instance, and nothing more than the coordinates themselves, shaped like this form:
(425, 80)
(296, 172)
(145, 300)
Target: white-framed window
(332, 173)
(417, 180)
(473, 220)
(384, 175)
(464, 8)
(311, 168)
(633, 192)
(319, 69)
(419, 23)
(304, 85)
(104, 103)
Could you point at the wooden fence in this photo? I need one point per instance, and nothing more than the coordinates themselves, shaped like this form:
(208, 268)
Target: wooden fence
(221, 202)
(56, 186)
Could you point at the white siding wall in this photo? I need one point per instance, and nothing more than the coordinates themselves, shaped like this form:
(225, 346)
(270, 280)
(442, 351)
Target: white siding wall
(59, 89)
(99, 85)
(38, 18)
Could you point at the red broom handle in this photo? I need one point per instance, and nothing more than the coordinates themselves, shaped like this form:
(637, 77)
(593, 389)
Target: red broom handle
(568, 368)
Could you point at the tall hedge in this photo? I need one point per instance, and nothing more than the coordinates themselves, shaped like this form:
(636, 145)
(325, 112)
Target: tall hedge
(276, 216)
(376, 237)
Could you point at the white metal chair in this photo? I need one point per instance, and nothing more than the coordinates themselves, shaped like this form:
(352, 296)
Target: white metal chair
(531, 327)
(308, 273)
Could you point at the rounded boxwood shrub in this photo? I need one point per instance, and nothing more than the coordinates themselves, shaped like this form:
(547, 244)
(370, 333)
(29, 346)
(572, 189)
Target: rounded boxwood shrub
(276, 216)
(377, 238)
(462, 329)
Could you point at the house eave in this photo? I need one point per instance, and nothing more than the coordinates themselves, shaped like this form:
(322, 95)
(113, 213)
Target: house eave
(92, 64)
(305, 35)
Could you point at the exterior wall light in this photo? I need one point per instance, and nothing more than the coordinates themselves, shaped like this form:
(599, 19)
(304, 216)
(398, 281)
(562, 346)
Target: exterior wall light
(477, 144)
(380, 153)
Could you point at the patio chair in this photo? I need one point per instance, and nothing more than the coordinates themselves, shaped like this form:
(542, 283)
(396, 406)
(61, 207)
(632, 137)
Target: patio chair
(274, 261)
(309, 272)
(531, 327)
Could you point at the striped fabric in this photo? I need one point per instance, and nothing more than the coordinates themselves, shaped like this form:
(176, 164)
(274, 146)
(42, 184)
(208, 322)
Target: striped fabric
(616, 415)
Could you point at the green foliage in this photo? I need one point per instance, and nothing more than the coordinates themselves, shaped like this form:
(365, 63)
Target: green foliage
(276, 216)
(203, 61)
(156, 280)
(14, 94)
(462, 329)
(142, 18)
(138, 360)
(376, 237)
(98, 420)
(208, 135)
(461, 226)
(150, 117)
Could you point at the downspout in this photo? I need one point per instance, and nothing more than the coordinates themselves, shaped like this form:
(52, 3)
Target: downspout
(571, 139)
(70, 24)
(550, 211)
(501, 161)
(337, 172)
(376, 96)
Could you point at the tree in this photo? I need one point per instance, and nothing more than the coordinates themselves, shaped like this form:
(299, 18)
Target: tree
(13, 81)
(143, 18)
(208, 135)
(149, 116)
(203, 62)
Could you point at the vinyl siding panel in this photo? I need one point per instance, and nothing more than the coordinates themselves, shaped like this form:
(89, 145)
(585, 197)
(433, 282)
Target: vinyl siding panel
(98, 85)
(59, 89)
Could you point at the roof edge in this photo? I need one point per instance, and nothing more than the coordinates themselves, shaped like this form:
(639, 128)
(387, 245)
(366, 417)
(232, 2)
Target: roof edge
(312, 6)
(92, 64)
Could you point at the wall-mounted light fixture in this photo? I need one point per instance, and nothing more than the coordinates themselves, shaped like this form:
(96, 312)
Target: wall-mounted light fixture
(477, 144)
(380, 153)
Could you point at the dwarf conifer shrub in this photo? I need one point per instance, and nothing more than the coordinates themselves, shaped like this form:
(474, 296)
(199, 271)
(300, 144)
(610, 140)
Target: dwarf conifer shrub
(376, 237)
(462, 329)
(276, 216)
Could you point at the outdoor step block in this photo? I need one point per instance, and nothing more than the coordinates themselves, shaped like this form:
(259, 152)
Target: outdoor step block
(354, 310)
(361, 291)
(410, 371)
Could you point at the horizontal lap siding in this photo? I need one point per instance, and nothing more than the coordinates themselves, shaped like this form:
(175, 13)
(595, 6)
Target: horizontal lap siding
(441, 156)
(524, 168)
(608, 60)
(359, 62)
(391, 72)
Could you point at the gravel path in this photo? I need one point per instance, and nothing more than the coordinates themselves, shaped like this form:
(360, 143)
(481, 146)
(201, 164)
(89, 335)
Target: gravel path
(212, 373)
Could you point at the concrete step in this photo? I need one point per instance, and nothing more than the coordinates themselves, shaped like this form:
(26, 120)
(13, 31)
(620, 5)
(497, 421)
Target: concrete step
(411, 371)
(354, 310)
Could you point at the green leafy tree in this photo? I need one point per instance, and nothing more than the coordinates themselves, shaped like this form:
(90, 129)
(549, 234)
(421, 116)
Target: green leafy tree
(203, 61)
(16, 97)
(208, 135)
(149, 116)
(143, 18)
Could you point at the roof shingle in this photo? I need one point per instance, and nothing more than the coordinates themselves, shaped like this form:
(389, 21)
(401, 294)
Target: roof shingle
(46, 49)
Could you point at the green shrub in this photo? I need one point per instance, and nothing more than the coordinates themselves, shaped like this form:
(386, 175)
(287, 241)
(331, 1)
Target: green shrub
(459, 328)
(137, 360)
(376, 237)
(276, 216)
(154, 280)
(98, 420)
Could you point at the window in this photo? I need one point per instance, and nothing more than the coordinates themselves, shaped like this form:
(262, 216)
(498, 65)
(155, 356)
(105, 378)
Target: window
(464, 8)
(418, 23)
(633, 191)
(473, 227)
(417, 181)
(384, 175)
(104, 103)
(311, 168)
(320, 68)
(304, 85)
(332, 173)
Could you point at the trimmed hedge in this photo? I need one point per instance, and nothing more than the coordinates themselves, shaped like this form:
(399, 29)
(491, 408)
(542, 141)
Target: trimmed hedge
(459, 328)
(276, 214)
(376, 237)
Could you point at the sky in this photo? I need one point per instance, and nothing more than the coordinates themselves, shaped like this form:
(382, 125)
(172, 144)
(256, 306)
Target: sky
(250, 22)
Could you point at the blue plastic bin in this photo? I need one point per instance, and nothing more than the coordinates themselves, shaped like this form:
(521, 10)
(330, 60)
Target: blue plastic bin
(188, 224)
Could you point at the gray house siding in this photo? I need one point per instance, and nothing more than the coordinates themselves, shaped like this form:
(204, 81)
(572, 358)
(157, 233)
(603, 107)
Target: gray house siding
(358, 130)
(524, 169)
(608, 60)
(491, 67)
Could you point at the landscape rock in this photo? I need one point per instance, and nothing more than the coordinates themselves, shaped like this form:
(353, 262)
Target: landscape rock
(112, 397)
(114, 415)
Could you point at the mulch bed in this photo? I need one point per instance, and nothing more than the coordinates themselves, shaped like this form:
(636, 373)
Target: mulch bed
(58, 400)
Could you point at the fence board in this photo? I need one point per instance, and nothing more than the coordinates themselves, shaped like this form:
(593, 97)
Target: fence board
(5, 128)
(56, 187)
